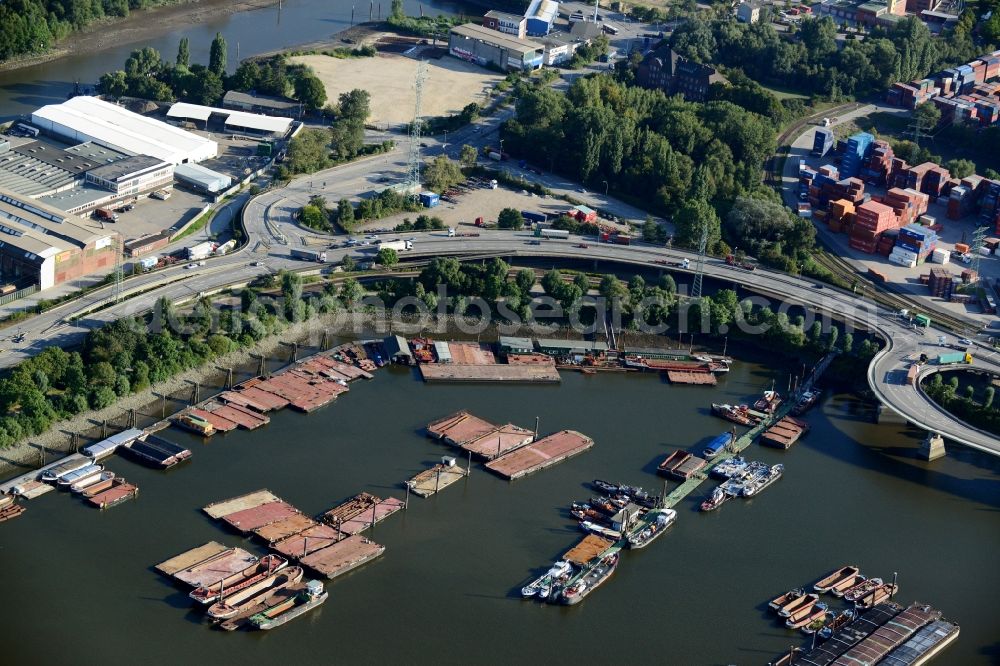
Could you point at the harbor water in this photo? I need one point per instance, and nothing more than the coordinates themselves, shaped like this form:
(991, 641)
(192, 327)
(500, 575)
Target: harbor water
(79, 583)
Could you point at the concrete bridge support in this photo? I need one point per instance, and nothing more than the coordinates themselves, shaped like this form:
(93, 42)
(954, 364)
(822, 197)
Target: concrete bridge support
(932, 447)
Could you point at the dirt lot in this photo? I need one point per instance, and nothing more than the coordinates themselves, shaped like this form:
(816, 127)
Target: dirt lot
(450, 84)
(478, 203)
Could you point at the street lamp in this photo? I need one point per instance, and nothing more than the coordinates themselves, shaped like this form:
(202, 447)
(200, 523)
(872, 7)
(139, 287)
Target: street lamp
(605, 188)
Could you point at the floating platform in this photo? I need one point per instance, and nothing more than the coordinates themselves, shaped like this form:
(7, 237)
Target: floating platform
(703, 378)
(241, 416)
(851, 634)
(308, 541)
(350, 508)
(155, 451)
(681, 465)
(343, 556)
(256, 517)
(120, 491)
(924, 644)
(507, 374)
(471, 353)
(375, 513)
(544, 453)
(241, 399)
(435, 479)
(225, 507)
(784, 433)
(302, 392)
(32, 489)
(460, 428)
(207, 564)
(220, 423)
(351, 372)
(284, 528)
(503, 440)
(590, 548)
(251, 391)
(889, 636)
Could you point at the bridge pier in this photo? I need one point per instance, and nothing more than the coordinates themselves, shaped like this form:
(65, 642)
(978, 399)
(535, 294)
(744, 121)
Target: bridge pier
(932, 447)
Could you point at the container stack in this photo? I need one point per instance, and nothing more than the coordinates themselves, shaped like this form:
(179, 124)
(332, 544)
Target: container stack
(960, 202)
(870, 220)
(940, 256)
(935, 180)
(989, 204)
(908, 204)
(941, 283)
(854, 154)
(879, 164)
(822, 142)
(841, 215)
(969, 276)
(913, 246)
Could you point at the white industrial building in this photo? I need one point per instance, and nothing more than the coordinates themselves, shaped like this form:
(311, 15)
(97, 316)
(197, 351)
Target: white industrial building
(201, 179)
(86, 118)
(234, 121)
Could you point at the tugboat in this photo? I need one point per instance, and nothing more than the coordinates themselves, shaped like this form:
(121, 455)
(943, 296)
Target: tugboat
(590, 580)
(806, 402)
(769, 402)
(276, 616)
(737, 415)
(719, 496)
(660, 520)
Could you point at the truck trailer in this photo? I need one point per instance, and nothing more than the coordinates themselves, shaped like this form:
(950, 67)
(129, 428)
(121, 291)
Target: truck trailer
(953, 358)
(547, 232)
(308, 255)
(397, 245)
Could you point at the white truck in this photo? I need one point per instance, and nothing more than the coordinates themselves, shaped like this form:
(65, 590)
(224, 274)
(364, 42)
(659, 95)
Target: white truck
(308, 255)
(397, 245)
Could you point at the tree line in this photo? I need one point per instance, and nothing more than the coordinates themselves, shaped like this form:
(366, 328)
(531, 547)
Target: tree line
(979, 413)
(147, 75)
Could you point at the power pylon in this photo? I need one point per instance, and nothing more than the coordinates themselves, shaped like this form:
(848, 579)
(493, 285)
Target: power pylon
(699, 265)
(117, 291)
(414, 157)
(978, 236)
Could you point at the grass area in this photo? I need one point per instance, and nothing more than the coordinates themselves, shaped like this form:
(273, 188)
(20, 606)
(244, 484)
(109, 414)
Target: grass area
(198, 225)
(784, 93)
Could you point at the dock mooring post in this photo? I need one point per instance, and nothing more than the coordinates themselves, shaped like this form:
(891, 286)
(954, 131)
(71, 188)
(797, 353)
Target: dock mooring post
(163, 405)
(892, 590)
(41, 456)
(229, 378)
(437, 480)
(374, 506)
(406, 502)
(295, 352)
(468, 466)
(537, 419)
(323, 344)
(104, 429)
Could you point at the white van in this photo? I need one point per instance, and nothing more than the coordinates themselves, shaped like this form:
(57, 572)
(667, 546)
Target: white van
(451, 232)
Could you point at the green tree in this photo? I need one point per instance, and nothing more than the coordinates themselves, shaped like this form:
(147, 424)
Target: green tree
(396, 13)
(961, 168)
(926, 117)
(442, 174)
(694, 216)
(345, 214)
(113, 84)
(387, 257)
(218, 58)
(525, 280)
(183, 53)
(988, 397)
(309, 151)
(351, 292)
(310, 91)
(510, 218)
(468, 156)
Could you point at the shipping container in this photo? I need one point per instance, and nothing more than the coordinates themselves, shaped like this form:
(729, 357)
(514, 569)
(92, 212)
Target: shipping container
(308, 255)
(954, 357)
(429, 199)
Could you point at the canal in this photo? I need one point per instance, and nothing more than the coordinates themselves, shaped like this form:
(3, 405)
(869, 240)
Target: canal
(78, 584)
(258, 31)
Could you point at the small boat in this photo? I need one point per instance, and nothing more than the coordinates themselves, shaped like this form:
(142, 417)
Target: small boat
(542, 586)
(606, 486)
(805, 403)
(263, 568)
(255, 594)
(768, 402)
(879, 595)
(818, 623)
(83, 484)
(785, 598)
(861, 589)
(737, 415)
(655, 524)
(9, 508)
(816, 612)
(827, 582)
(719, 496)
(836, 623)
(600, 530)
(590, 580)
(313, 596)
(82, 474)
(719, 445)
(728, 468)
(798, 604)
(845, 584)
(758, 484)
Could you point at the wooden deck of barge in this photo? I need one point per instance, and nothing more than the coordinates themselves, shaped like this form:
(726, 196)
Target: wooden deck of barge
(544, 453)
(232, 505)
(689, 377)
(460, 428)
(256, 517)
(281, 529)
(206, 564)
(343, 556)
(502, 373)
(308, 541)
(219, 422)
(502, 440)
(435, 479)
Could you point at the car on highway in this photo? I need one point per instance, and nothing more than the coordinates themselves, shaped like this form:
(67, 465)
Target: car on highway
(257, 263)
(371, 237)
(534, 242)
(582, 245)
(194, 265)
(965, 341)
(352, 241)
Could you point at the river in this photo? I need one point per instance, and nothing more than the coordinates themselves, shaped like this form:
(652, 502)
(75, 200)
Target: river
(79, 584)
(258, 31)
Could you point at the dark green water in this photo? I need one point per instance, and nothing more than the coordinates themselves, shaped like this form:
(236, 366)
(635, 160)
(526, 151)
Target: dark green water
(79, 587)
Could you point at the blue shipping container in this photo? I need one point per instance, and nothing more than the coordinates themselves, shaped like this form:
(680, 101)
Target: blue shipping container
(429, 199)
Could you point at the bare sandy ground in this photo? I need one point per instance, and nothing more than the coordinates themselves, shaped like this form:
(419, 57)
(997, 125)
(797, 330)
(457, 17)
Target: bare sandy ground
(389, 79)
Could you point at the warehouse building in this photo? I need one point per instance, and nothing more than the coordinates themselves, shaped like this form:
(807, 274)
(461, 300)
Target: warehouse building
(200, 179)
(559, 47)
(509, 24)
(41, 245)
(147, 244)
(483, 46)
(132, 176)
(86, 118)
(253, 103)
(541, 14)
(665, 69)
(228, 120)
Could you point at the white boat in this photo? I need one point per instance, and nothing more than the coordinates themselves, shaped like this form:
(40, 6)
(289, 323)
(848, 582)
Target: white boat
(83, 484)
(729, 468)
(81, 474)
(600, 530)
(54, 473)
(661, 519)
(759, 483)
(542, 586)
